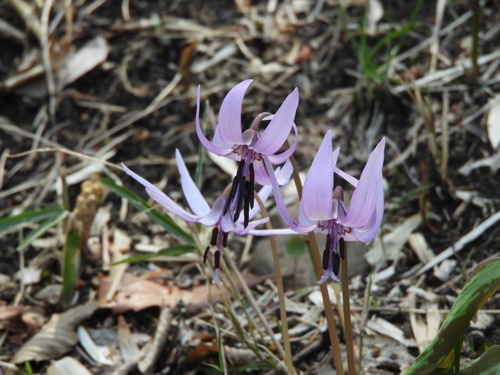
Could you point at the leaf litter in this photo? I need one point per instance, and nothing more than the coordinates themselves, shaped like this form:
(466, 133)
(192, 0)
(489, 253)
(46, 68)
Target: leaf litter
(121, 87)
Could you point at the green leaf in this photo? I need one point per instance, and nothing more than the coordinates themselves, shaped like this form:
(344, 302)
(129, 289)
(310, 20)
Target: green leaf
(168, 252)
(487, 364)
(296, 247)
(71, 259)
(213, 367)
(35, 216)
(439, 354)
(43, 227)
(139, 203)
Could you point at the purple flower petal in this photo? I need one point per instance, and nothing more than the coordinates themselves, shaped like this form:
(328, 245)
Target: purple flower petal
(214, 216)
(326, 276)
(346, 176)
(316, 203)
(271, 232)
(364, 198)
(204, 141)
(369, 232)
(280, 204)
(278, 129)
(196, 202)
(285, 155)
(162, 199)
(230, 114)
(260, 171)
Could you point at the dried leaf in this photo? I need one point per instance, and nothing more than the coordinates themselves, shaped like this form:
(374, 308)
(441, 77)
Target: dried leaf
(67, 365)
(137, 294)
(100, 354)
(56, 337)
(493, 122)
(394, 241)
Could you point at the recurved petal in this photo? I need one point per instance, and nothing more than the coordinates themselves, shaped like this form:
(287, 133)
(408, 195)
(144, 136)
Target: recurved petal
(240, 230)
(196, 202)
(285, 155)
(161, 198)
(316, 203)
(260, 171)
(230, 114)
(365, 196)
(271, 232)
(221, 151)
(346, 176)
(215, 215)
(280, 204)
(369, 232)
(278, 129)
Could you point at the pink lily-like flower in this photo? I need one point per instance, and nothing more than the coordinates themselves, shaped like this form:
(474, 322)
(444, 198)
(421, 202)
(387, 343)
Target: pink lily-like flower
(320, 213)
(249, 147)
(214, 216)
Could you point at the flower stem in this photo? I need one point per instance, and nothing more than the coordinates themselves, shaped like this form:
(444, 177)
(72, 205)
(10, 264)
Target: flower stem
(330, 318)
(349, 343)
(281, 291)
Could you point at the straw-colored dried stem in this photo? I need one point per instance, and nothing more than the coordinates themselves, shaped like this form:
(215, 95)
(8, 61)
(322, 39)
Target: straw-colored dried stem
(281, 291)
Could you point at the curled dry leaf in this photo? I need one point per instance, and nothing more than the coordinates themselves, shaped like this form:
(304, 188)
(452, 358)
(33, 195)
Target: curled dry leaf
(56, 337)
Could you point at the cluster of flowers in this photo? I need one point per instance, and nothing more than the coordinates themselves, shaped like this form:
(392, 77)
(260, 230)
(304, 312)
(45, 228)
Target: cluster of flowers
(322, 207)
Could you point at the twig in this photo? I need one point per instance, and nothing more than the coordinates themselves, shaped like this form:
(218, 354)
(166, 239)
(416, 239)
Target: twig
(441, 4)
(153, 350)
(47, 64)
(460, 244)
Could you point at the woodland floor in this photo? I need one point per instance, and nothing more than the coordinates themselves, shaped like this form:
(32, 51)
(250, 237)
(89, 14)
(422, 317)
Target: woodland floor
(96, 83)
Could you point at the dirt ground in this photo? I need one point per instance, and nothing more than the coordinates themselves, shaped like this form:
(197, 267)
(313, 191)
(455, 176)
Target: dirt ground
(86, 85)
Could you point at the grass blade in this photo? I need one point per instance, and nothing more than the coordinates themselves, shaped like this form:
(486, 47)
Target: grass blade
(71, 258)
(168, 252)
(34, 216)
(56, 217)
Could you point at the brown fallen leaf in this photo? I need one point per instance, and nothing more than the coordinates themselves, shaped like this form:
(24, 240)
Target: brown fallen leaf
(137, 294)
(9, 314)
(56, 337)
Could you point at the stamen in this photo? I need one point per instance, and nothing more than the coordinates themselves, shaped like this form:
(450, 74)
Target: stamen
(224, 239)
(215, 233)
(239, 204)
(252, 186)
(234, 185)
(342, 248)
(326, 258)
(246, 206)
(328, 240)
(217, 259)
(205, 254)
(336, 264)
